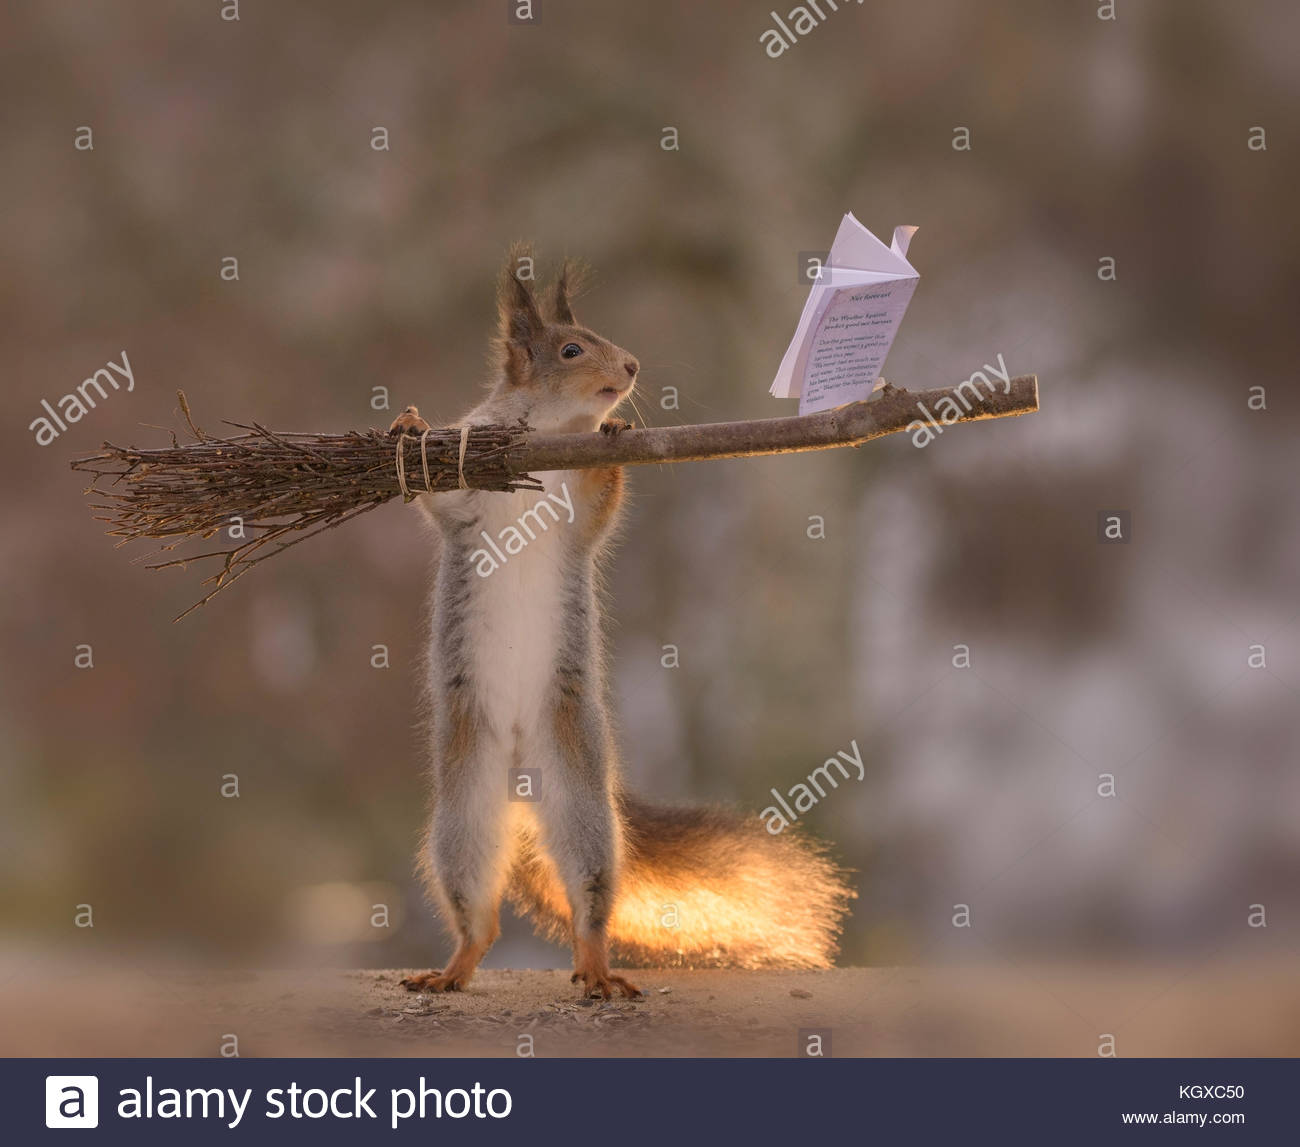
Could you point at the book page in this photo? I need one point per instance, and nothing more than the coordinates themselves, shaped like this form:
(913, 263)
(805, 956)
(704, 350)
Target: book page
(789, 376)
(850, 343)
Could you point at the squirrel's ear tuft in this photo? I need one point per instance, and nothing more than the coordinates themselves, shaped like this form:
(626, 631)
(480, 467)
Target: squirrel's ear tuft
(520, 322)
(568, 285)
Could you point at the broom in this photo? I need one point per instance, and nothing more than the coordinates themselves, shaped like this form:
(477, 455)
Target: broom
(283, 488)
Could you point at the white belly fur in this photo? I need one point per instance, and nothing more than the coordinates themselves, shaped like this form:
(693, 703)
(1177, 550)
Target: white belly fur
(514, 624)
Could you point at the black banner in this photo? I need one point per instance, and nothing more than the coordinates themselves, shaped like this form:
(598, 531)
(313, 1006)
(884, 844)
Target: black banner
(656, 1102)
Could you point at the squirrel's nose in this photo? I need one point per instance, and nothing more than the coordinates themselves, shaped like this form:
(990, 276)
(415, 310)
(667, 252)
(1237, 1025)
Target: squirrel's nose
(631, 366)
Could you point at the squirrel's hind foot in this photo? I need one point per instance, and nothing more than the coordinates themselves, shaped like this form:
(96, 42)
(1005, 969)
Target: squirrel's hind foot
(595, 984)
(432, 982)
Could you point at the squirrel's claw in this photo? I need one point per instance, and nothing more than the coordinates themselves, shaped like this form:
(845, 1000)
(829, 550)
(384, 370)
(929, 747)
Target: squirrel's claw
(616, 426)
(408, 422)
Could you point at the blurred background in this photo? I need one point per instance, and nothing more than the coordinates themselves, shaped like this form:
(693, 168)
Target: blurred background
(664, 145)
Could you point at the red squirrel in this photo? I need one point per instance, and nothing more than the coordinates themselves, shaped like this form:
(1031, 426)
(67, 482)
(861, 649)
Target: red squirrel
(517, 681)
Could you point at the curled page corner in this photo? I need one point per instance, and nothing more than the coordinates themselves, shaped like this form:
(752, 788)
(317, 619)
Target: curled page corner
(902, 237)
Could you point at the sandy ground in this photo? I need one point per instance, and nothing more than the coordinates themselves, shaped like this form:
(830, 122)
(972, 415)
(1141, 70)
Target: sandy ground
(1225, 1009)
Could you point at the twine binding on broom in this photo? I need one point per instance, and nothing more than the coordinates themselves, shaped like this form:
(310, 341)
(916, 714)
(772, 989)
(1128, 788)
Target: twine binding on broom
(424, 462)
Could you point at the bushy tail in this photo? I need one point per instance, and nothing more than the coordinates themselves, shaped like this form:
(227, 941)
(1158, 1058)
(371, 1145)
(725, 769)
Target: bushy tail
(706, 887)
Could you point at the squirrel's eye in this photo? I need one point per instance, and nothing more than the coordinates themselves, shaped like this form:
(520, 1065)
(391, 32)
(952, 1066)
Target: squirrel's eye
(570, 350)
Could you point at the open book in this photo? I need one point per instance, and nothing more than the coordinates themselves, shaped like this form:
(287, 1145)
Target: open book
(849, 321)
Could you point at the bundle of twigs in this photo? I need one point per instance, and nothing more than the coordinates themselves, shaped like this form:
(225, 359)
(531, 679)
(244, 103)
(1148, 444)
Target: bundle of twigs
(274, 490)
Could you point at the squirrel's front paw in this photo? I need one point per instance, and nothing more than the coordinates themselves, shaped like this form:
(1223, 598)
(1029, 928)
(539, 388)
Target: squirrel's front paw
(408, 422)
(616, 426)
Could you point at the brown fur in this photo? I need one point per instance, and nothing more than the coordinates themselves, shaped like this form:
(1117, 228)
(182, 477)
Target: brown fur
(704, 887)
